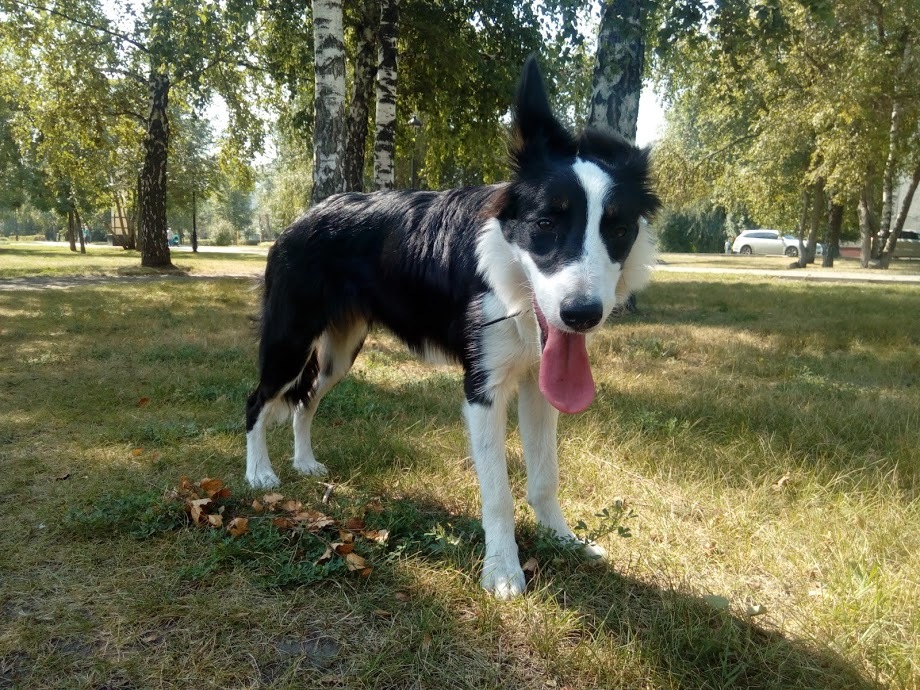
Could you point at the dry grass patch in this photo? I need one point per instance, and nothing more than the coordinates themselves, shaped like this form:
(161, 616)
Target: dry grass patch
(759, 437)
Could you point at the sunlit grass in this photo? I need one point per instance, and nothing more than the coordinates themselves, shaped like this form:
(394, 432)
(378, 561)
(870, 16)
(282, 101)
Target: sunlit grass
(26, 259)
(764, 435)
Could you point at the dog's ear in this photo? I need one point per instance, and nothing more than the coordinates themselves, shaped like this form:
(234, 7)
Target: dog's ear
(501, 205)
(631, 165)
(537, 134)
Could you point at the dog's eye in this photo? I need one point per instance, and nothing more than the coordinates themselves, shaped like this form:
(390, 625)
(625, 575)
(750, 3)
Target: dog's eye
(619, 231)
(544, 239)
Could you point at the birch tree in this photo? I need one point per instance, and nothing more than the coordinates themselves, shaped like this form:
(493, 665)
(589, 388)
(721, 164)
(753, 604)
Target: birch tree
(618, 68)
(385, 125)
(362, 93)
(329, 100)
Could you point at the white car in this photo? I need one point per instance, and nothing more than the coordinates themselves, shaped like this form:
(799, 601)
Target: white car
(768, 242)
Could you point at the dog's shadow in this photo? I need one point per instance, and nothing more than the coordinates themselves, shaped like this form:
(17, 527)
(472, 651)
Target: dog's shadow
(678, 636)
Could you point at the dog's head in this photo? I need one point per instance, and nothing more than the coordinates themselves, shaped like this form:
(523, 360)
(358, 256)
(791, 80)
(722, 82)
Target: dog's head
(572, 215)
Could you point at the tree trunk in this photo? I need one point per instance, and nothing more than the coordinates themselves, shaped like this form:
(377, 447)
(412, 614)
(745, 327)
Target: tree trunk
(70, 231)
(152, 216)
(329, 101)
(888, 180)
(892, 240)
(866, 224)
(385, 125)
(832, 245)
(361, 94)
(803, 224)
(618, 67)
(79, 225)
(817, 213)
(194, 223)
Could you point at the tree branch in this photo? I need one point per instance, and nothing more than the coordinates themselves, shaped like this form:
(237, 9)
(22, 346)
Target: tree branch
(134, 76)
(94, 27)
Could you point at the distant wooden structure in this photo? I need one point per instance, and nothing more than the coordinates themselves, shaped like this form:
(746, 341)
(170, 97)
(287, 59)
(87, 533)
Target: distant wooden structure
(118, 229)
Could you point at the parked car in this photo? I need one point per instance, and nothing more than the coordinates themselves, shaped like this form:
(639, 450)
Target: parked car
(770, 243)
(908, 246)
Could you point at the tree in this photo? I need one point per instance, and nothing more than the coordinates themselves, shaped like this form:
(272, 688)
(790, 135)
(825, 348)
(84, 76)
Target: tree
(196, 45)
(385, 129)
(329, 119)
(618, 68)
(362, 92)
(804, 99)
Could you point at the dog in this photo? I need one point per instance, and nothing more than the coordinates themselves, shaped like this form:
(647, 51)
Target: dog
(508, 280)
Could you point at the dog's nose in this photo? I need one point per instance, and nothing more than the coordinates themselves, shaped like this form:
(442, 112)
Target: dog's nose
(581, 313)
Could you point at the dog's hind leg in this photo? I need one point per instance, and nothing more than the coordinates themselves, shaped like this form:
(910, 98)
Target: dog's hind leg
(287, 362)
(537, 423)
(336, 352)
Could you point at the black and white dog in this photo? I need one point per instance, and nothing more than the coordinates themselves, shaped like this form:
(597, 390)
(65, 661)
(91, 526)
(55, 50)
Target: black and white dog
(507, 280)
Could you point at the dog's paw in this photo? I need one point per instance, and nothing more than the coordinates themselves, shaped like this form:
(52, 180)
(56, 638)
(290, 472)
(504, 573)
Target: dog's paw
(263, 480)
(503, 580)
(594, 552)
(310, 467)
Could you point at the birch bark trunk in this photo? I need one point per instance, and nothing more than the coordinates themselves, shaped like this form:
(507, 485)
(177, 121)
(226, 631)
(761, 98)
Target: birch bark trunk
(152, 215)
(385, 122)
(892, 241)
(618, 67)
(329, 102)
(361, 95)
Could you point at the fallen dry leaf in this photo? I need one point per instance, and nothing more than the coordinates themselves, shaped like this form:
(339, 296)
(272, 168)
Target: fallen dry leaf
(402, 596)
(327, 555)
(382, 613)
(196, 509)
(292, 506)
(354, 524)
(136, 451)
(342, 548)
(238, 526)
(216, 520)
(532, 566)
(354, 562)
(377, 535)
(426, 642)
(272, 499)
(257, 507)
(62, 477)
(283, 523)
(143, 402)
(211, 487)
(778, 486)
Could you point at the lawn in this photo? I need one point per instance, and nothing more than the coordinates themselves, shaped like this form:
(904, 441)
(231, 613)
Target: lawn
(756, 439)
(28, 259)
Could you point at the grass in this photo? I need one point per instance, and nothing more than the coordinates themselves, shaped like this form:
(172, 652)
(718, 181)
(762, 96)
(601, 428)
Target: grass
(28, 259)
(762, 436)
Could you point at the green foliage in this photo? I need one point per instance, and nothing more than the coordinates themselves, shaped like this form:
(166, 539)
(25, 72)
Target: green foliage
(700, 228)
(768, 101)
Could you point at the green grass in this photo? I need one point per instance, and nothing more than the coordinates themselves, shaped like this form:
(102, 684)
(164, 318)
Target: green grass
(22, 260)
(761, 435)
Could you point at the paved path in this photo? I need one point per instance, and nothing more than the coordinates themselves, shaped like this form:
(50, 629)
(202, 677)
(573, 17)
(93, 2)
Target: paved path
(69, 282)
(816, 274)
(807, 274)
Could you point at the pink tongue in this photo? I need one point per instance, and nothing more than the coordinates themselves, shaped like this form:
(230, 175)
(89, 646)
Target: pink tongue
(565, 372)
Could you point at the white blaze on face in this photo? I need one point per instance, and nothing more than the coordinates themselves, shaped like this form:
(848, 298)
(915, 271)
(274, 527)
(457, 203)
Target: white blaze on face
(593, 276)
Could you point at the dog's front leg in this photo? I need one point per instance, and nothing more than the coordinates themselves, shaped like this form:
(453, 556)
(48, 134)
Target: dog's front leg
(501, 569)
(537, 421)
